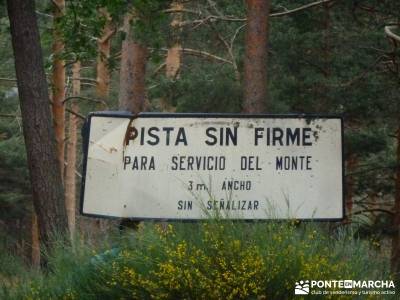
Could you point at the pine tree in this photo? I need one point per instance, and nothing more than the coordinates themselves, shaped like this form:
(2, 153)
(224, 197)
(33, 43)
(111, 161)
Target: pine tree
(44, 167)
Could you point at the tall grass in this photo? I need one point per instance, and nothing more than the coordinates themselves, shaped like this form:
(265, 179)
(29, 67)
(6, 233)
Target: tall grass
(208, 260)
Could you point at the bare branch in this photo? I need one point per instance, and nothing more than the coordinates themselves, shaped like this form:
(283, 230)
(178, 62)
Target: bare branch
(390, 34)
(179, 10)
(85, 79)
(84, 98)
(9, 116)
(236, 33)
(107, 36)
(43, 14)
(88, 83)
(387, 203)
(153, 86)
(201, 53)
(70, 63)
(389, 167)
(70, 110)
(213, 18)
(372, 210)
(158, 69)
(76, 171)
(205, 54)
(295, 10)
(75, 113)
(229, 48)
(8, 79)
(200, 13)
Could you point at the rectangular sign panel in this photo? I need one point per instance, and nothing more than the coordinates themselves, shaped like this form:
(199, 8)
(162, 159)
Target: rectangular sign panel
(193, 166)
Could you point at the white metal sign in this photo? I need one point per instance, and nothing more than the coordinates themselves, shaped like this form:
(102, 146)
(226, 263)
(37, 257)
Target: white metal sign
(193, 166)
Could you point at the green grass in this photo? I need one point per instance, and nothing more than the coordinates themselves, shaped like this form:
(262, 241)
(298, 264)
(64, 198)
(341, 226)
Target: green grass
(206, 260)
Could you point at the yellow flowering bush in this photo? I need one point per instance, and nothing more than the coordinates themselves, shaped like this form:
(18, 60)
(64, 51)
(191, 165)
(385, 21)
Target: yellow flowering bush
(215, 260)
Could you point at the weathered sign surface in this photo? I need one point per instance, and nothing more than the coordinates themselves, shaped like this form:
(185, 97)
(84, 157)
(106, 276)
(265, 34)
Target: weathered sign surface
(192, 166)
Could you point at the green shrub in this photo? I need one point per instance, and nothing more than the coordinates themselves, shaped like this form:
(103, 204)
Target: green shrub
(207, 260)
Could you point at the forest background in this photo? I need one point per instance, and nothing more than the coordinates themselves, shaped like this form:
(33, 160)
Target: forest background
(330, 57)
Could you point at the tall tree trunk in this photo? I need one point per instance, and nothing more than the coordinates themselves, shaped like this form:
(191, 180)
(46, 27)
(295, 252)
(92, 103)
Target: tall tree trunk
(104, 45)
(256, 52)
(174, 54)
(44, 168)
(173, 61)
(35, 254)
(322, 92)
(351, 165)
(132, 92)
(70, 182)
(58, 81)
(395, 259)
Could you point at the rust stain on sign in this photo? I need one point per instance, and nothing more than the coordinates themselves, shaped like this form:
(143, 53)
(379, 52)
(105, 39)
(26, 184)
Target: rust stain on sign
(130, 134)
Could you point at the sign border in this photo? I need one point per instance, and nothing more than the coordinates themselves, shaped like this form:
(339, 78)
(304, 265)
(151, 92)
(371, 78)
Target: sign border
(125, 114)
